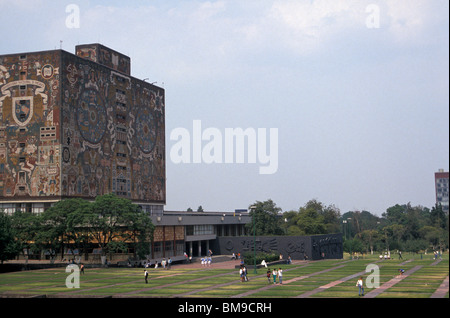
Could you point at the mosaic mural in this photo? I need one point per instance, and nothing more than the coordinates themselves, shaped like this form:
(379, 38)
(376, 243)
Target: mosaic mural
(73, 128)
(29, 125)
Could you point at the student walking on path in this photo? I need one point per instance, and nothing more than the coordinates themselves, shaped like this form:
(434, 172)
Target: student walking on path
(268, 275)
(146, 276)
(360, 285)
(274, 274)
(280, 276)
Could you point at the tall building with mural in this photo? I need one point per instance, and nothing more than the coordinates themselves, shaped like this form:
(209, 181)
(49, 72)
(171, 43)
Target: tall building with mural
(77, 126)
(442, 189)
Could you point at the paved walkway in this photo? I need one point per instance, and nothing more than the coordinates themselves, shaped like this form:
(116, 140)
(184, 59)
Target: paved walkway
(442, 290)
(286, 282)
(332, 284)
(375, 292)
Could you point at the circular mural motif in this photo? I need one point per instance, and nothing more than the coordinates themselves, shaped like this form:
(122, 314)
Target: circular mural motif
(146, 131)
(91, 116)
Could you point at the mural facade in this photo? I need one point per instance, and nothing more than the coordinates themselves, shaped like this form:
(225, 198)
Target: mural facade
(71, 127)
(29, 125)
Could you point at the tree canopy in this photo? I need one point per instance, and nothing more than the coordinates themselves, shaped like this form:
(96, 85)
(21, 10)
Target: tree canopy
(109, 221)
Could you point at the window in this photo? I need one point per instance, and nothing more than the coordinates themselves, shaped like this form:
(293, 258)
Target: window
(168, 248)
(157, 252)
(199, 229)
(120, 79)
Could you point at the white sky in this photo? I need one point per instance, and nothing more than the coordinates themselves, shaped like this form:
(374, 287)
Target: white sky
(362, 113)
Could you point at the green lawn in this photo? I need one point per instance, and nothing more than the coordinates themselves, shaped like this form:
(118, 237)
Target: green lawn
(335, 278)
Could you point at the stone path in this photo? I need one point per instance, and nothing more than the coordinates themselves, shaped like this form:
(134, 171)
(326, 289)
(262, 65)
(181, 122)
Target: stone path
(287, 281)
(442, 290)
(375, 292)
(332, 284)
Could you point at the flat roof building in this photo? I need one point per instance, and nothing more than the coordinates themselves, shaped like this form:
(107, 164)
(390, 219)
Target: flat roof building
(78, 125)
(442, 189)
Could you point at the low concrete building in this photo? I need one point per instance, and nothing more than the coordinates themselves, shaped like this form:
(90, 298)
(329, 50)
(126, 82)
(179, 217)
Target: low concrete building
(193, 233)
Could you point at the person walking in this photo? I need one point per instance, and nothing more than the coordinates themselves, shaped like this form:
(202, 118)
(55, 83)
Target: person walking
(280, 276)
(245, 274)
(146, 276)
(400, 255)
(360, 285)
(82, 268)
(274, 275)
(268, 275)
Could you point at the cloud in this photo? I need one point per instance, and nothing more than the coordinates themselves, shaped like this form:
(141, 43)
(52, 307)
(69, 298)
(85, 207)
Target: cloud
(410, 22)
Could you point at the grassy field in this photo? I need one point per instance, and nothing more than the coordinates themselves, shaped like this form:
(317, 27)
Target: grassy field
(315, 279)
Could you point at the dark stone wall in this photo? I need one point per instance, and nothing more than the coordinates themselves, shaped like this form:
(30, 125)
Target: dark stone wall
(295, 246)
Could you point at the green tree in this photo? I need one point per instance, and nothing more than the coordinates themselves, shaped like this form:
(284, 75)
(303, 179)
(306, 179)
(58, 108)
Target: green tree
(266, 218)
(310, 221)
(395, 214)
(8, 246)
(313, 218)
(55, 227)
(77, 233)
(26, 226)
(369, 238)
(139, 230)
(438, 217)
(107, 220)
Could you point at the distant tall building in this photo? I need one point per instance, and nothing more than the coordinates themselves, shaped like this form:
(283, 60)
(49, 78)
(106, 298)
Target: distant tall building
(78, 126)
(442, 189)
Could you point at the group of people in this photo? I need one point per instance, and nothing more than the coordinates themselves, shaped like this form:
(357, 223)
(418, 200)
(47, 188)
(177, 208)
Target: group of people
(243, 273)
(235, 256)
(275, 274)
(164, 263)
(206, 261)
(387, 255)
(437, 254)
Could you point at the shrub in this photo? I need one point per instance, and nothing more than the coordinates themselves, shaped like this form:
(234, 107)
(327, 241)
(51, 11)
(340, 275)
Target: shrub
(260, 256)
